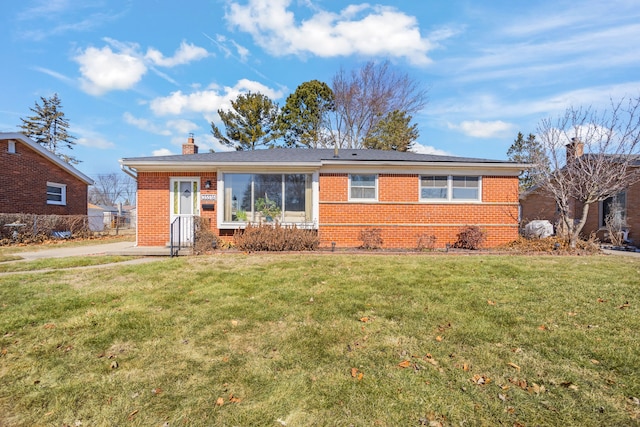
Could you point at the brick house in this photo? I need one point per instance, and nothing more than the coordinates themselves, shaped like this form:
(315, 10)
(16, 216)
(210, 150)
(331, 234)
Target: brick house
(339, 194)
(538, 204)
(36, 181)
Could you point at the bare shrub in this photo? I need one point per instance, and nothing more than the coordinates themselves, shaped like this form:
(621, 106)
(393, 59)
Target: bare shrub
(204, 240)
(268, 237)
(470, 237)
(371, 238)
(426, 242)
(39, 228)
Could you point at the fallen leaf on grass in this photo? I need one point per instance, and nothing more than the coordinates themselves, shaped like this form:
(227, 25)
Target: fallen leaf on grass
(625, 305)
(520, 383)
(542, 327)
(595, 362)
(634, 400)
(220, 401)
(480, 379)
(404, 364)
(233, 399)
(438, 338)
(49, 326)
(354, 372)
(602, 300)
(132, 415)
(465, 367)
(535, 388)
(365, 319)
(156, 391)
(502, 397)
(114, 364)
(514, 366)
(491, 302)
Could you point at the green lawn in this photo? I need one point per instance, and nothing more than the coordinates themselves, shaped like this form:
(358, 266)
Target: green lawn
(324, 339)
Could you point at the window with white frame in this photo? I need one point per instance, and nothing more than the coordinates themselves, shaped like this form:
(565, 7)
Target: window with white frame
(267, 197)
(363, 187)
(11, 146)
(56, 194)
(450, 188)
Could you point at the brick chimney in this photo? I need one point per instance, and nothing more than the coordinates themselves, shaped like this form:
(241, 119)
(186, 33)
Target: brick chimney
(575, 149)
(190, 147)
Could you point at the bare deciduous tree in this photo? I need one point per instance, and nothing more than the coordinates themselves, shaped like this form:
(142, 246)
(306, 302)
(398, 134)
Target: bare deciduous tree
(366, 96)
(109, 189)
(590, 154)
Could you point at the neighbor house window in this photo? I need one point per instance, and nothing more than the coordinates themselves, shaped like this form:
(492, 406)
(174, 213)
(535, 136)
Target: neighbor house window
(11, 146)
(363, 187)
(450, 188)
(267, 197)
(614, 211)
(56, 194)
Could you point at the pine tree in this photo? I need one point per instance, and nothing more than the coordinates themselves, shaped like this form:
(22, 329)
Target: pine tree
(49, 127)
(528, 151)
(250, 124)
(394, 132)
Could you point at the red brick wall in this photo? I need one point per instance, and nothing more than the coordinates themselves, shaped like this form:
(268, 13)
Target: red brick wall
(153, 205)
(398, 212)
(403, 219)
(25, 175)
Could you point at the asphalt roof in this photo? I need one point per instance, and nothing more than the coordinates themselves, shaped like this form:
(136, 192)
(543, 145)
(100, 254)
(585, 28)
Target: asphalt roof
(305, 155)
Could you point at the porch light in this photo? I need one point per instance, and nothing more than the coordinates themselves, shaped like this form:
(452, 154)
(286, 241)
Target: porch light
(207, 184)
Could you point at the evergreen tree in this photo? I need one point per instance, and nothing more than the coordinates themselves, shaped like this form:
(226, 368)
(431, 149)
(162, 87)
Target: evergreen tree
(528, 151)
(393, 132)
(251, 123)
(49, 127)
(303, 119)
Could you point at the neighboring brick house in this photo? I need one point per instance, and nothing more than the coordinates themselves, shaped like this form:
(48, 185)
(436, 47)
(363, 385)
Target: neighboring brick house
(539, 204)
(35, 181)
(405, 195)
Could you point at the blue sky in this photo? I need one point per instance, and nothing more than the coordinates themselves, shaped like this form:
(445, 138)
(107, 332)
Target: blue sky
(137, 76)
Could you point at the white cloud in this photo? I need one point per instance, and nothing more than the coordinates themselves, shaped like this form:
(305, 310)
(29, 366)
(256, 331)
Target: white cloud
(208, 101)
(356, 30)
(478, 129)
(104, 70)
(182, 127)
(120, 66)
(92, 139)
(162, 152)
(427, 149)
(186, 53)
(145, 125)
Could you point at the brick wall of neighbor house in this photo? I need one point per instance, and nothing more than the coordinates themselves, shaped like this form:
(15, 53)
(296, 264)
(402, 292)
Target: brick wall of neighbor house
(24, 188)
(537, 205)
(402, 218)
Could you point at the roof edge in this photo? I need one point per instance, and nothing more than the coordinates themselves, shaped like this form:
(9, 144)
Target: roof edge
(47, 154)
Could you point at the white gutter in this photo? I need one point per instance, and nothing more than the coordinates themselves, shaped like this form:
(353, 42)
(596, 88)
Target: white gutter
(129, 171)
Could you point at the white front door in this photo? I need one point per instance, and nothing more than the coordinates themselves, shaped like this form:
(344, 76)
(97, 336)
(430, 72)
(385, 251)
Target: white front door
(184, 205)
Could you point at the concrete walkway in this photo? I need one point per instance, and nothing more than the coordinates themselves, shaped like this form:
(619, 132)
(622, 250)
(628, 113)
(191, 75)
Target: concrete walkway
(144, 255)
(117, 248)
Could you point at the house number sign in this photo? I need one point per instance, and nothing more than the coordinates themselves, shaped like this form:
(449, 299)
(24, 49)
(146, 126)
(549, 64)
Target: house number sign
(212, 197)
